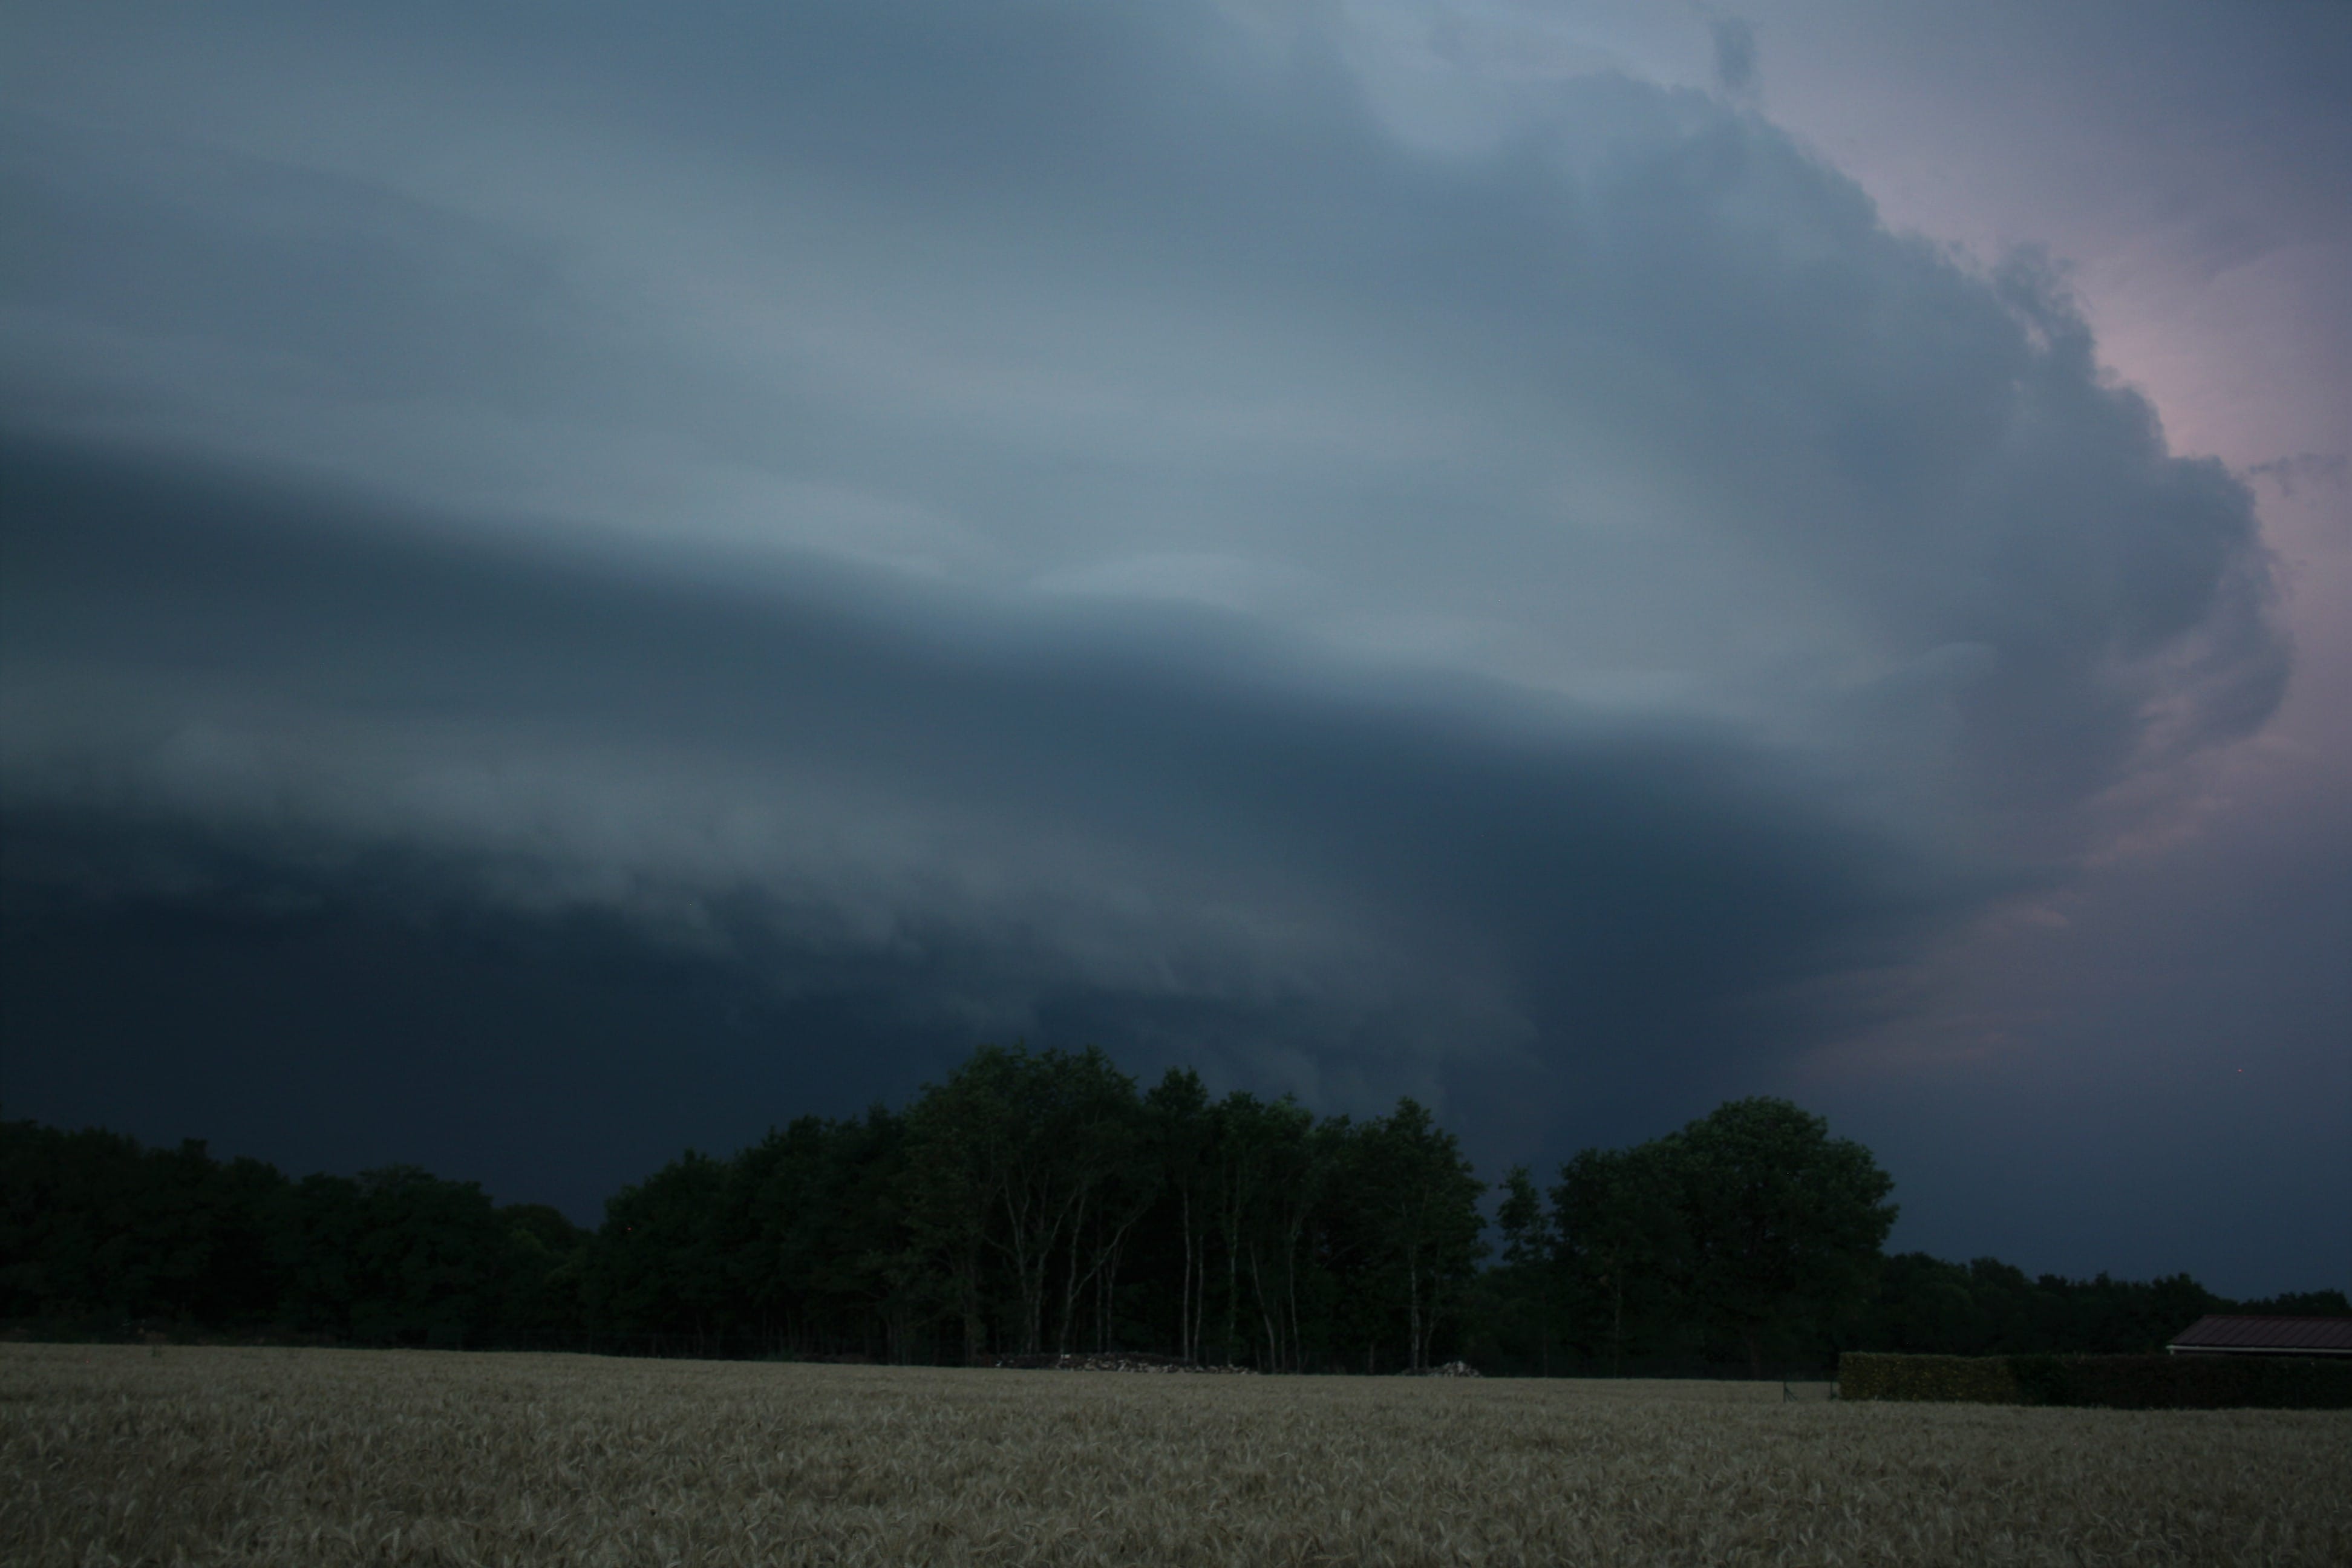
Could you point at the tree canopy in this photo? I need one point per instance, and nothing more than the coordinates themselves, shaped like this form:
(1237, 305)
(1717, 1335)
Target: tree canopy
(1036, 1202)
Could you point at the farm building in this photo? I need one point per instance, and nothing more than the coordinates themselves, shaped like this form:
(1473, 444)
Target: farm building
(2223, 1334)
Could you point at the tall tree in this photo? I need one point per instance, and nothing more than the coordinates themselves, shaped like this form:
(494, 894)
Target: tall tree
(657, 1269)
(1425, 1196)
(1176, 1113)
(1263, 1177)
(1782, 1223)
(1009, 1157)
(1620, 1234)
(1528, 1261)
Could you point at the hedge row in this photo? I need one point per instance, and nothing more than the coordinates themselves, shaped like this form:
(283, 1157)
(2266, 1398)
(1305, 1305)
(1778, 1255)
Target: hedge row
(2118, 1382)
(1958, 1379)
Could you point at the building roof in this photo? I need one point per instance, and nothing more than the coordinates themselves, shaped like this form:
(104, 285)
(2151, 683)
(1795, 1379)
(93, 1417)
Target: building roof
(2271, 1336)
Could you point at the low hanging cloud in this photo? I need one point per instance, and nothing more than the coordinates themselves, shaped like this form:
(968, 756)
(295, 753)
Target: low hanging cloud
(1064, 518)
(954, 815)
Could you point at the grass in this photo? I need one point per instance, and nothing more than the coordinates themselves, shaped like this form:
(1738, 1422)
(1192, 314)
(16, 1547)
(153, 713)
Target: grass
(223, 1455)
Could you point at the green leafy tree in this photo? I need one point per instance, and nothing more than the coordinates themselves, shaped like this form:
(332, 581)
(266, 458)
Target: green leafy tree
(657, 1273)
(430, 1260)
(1524, 1284)
(1781, 1224)
(812, 1236)
(1266, 1171)
(1009, 1160)
(1621, 1237)
(545, 1253)
(1179, 1123)
(1423, 1197)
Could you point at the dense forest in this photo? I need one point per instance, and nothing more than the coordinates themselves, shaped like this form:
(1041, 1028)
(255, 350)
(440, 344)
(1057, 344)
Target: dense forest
(1036, 1203)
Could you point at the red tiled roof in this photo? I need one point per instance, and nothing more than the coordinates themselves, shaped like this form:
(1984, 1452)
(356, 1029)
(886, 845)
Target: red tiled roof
(2289, 1336)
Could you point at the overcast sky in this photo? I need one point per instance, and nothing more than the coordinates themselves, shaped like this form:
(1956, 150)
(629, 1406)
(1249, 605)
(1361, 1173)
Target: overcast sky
(583, 579)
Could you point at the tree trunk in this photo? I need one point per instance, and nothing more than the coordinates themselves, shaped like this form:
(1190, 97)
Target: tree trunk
(1232, 1288)
(1543, 1328)
(1200, 1295)
(1266, 1314)
(1184, 1291)
(1297, 1336)
(970, 1302)
(1413, 1287)
(1070, 1281)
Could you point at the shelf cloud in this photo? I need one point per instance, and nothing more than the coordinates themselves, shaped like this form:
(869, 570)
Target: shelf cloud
(1073, 521)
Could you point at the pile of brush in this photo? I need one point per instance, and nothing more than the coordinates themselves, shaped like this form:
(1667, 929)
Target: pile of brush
(1110, 1361)
(1452, 1369)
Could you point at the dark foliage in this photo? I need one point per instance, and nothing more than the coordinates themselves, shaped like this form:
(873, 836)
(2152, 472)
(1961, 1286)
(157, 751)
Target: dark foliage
(2113, 1382)
(98, 1235)
(1750, 1239)
(1986, 1307)
(1033, 1202)
(1036, 1205)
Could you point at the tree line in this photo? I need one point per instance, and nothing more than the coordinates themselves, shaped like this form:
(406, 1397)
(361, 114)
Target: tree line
(1038, 1202)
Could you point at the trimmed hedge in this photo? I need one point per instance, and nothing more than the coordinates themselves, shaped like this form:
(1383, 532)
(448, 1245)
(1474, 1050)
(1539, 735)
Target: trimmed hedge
(2115, 1381)
(1956, 1379)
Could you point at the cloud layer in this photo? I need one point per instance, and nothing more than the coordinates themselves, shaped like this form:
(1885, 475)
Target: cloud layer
(1072, 519)
(969, 818)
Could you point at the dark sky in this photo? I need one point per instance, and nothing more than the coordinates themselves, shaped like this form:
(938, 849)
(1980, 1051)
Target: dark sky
(583, 580)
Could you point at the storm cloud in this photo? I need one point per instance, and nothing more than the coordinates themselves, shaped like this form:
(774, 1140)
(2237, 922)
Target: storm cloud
(951, 522)
(951, 813)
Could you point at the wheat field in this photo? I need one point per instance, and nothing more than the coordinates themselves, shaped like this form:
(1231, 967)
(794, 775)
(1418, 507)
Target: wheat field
(124, 1455)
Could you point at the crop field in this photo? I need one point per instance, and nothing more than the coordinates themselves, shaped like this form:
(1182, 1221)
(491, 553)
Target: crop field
(228, 1456)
